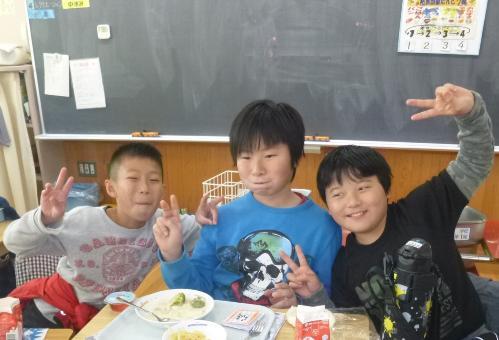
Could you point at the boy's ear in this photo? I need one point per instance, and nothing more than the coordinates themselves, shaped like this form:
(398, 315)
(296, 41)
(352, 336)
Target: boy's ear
(110, 188)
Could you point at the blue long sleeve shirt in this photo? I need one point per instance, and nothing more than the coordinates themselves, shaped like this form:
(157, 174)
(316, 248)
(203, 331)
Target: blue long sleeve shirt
(238, 259)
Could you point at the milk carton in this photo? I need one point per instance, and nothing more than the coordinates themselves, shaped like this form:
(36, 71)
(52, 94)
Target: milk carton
(312, 323)
(11, 324)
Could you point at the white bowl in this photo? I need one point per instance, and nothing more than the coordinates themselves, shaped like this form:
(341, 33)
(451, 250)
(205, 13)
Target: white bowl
(167, 296)
(211, 330)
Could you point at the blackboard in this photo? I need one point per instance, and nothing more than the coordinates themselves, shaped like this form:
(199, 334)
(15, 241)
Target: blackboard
(186, 67)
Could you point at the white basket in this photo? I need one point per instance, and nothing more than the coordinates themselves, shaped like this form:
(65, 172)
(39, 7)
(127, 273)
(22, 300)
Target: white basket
(226, 184)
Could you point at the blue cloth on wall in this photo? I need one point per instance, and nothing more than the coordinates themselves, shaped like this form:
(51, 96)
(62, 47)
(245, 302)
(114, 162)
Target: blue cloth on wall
(9, 212)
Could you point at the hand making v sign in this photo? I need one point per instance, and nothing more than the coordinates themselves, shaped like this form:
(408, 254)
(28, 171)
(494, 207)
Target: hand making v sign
(53, 198)
(450, 100)
(302, 279)
(168, 230)
(207, 212)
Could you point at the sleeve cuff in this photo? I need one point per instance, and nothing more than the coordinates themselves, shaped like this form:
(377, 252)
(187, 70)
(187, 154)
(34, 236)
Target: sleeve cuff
(477, 107)
(38, 221)
(163, 261)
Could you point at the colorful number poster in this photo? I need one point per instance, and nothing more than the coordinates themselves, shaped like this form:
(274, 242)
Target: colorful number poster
(442, 26)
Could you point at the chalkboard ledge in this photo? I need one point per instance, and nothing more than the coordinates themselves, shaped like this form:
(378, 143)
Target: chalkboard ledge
(225, 139)
(160, 138)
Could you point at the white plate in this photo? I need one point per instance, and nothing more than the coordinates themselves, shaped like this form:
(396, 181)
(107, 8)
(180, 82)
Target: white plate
(211, 330)
(167, 296)
(291, 317)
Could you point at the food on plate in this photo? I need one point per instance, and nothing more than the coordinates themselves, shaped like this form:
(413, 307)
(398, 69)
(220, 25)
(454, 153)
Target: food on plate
(180, 307)
(198, 302)
(187, 335)
(178, 300)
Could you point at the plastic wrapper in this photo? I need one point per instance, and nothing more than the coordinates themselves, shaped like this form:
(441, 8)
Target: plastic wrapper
(83, 194)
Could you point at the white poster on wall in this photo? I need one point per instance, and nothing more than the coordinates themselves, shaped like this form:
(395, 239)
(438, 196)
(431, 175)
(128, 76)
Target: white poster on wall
(442, 26)
(88, 88)
(56, 74)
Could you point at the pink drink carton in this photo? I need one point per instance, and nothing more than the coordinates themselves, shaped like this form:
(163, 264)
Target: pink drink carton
(312, 323)
(11, 322)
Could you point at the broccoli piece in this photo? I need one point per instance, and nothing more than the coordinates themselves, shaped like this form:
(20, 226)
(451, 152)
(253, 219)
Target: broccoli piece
(198, 302)
(178, 300)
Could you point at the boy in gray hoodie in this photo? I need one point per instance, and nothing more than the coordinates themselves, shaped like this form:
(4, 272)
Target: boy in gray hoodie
(104, 249)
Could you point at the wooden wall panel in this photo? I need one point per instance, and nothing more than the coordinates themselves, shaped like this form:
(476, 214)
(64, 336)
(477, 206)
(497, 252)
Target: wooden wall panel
(188, 164)
(185, 165)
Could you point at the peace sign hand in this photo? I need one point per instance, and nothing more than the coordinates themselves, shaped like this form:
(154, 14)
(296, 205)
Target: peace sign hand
(168, 230)
(303, 279)
(207, 212)
(54, 197)
(450, 100)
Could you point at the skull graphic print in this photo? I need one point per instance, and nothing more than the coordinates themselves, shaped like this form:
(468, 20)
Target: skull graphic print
(261, 265)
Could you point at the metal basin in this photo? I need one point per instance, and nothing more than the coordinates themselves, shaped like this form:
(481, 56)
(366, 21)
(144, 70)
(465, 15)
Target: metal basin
(470, 227)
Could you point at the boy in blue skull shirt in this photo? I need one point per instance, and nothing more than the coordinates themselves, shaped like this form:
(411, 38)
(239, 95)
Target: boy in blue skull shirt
(239, 258)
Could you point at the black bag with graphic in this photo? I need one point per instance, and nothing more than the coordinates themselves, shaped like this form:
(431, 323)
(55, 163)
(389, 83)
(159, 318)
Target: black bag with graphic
(399, 297)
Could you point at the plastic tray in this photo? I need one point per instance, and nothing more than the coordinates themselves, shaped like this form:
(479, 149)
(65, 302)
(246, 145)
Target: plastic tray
(129, 326)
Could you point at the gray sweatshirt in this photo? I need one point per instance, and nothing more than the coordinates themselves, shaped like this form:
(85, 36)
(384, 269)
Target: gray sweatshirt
(98, 255)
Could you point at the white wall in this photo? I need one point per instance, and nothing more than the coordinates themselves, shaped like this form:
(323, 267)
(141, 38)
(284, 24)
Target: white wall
(13, 23)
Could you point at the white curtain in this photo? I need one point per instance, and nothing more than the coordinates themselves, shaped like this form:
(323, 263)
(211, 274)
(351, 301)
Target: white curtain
(17, 168)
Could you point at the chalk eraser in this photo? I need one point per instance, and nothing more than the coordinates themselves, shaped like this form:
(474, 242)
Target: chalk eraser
(322, 138)
(145, 134)
(317, 138)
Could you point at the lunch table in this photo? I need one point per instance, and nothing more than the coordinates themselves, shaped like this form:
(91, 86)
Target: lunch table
(480, 259)
(154, 283)
(351, 324)
(59, 334)
(106, 315)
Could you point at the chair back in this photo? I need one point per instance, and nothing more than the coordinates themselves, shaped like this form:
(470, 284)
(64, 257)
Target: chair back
(33, 267)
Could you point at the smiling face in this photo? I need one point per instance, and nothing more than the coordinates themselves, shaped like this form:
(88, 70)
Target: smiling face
(267, 172)
(358, 205)
(137, 187)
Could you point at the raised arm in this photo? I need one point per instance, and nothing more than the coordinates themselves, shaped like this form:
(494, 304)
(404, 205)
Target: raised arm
(476, 142)
(53, 198)
(36, 230)
(172, 236)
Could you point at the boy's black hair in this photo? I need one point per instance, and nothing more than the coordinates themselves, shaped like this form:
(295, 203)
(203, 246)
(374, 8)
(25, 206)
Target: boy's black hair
(134, 149)
(353, 161)
(270, 123)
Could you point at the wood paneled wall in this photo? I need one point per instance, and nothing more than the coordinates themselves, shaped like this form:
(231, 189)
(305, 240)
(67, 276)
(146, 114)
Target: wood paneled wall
(186, 165)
